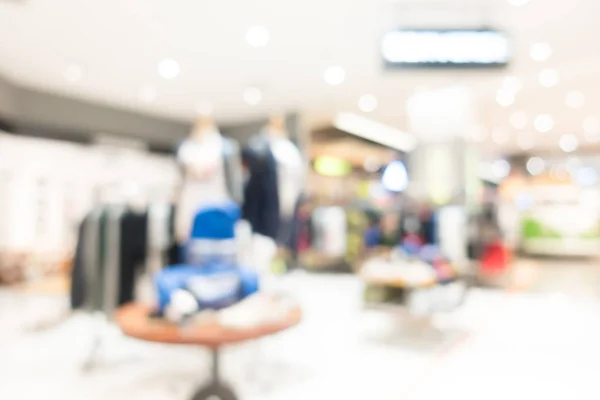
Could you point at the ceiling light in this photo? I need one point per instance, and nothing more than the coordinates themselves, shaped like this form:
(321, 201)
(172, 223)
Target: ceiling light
(518, 120)
(568, 143)
(73, 73)
(204, 108)
(505, 98)
(257, 36)
(512, 84)
(540, 51)
(334, 75)
(252, 96)
(375, 131)
(500, 136)
(500, 169)
(525, 142)
(518, 3)
(535, 165)
(591, 129)
(168, 68)
(548, 77)
(147, 94)
(367, 103)
(575, 99)
(543, 123)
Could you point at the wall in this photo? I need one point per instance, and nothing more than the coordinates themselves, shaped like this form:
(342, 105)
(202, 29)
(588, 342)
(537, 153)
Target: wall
(31, 112)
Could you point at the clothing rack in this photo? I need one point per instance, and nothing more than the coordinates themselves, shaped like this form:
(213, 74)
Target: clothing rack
(116, 245)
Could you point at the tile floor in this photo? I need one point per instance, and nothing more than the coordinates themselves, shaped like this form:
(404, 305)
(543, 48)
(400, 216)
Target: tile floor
(498, 346)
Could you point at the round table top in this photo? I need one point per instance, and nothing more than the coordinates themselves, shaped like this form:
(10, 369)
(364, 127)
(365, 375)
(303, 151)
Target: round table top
(400, 283)
(134, 320)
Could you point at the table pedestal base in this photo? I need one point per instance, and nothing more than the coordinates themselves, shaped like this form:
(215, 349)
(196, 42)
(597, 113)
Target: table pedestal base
(215, 389)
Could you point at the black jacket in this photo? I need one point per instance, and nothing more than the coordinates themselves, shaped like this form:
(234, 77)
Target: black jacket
(261, 196)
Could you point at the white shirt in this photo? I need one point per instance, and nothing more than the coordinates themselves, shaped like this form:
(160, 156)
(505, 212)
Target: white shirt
(204, 182)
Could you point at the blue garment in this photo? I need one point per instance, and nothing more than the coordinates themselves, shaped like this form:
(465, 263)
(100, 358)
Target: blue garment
(261, 196)
(372, 237)
(216, 222)
(214, 286)
(212, 238)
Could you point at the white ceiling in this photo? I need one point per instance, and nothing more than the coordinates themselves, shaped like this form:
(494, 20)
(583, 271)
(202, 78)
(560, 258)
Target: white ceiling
(119, 43)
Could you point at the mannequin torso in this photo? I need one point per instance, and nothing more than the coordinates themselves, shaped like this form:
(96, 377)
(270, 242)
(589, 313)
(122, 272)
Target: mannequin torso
(201, 157)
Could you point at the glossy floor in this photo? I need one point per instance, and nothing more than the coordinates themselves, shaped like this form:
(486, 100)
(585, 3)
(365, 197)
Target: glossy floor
(498, 346)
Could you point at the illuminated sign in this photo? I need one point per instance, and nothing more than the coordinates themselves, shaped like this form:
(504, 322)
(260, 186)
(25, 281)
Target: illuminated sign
(332, 166)
(446, 48)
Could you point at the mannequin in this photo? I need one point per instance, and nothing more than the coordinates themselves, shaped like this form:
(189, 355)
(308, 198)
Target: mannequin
(212, 173)
(290, 174)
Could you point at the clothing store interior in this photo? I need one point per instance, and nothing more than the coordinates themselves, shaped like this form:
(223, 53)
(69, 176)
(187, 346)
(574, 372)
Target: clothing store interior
(280, 200)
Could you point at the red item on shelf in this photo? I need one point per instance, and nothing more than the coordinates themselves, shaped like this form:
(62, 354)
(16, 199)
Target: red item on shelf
(494, 259)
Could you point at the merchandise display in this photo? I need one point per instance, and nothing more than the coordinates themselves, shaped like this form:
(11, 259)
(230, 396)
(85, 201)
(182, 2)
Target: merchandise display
(563, 219)
(423, 282)
(44, 198)
(212, 300)
(112, 250)
(204, 201)
(212, 274)
(209, 332)
(212, 173)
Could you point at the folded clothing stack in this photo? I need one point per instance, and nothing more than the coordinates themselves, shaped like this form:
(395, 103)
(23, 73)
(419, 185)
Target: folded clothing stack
(211, 277)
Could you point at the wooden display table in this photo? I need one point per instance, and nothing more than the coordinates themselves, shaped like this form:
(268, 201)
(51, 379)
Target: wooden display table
(135, 321)
(397, 282)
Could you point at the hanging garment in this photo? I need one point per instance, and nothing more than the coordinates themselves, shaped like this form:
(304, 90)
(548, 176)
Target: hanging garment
(427, 229)
(86, 285)
(132, 253)
(494, 259)
(290, 182)
(305, 230)
(290, 174)
(111, 263)
(160, 235)
(331, 231)
(111, 250)
(234, 175)
(296, 228)
(261, 196)
(372, 237)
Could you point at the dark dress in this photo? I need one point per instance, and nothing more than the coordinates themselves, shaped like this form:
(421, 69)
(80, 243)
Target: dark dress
(261, 196)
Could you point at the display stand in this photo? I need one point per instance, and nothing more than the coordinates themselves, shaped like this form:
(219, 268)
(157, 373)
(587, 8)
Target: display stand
(135, 321)
(435, 304)
(102, 323)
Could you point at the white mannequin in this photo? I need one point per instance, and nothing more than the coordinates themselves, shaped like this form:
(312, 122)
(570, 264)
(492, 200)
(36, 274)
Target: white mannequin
(201, 156)
(290, 166)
